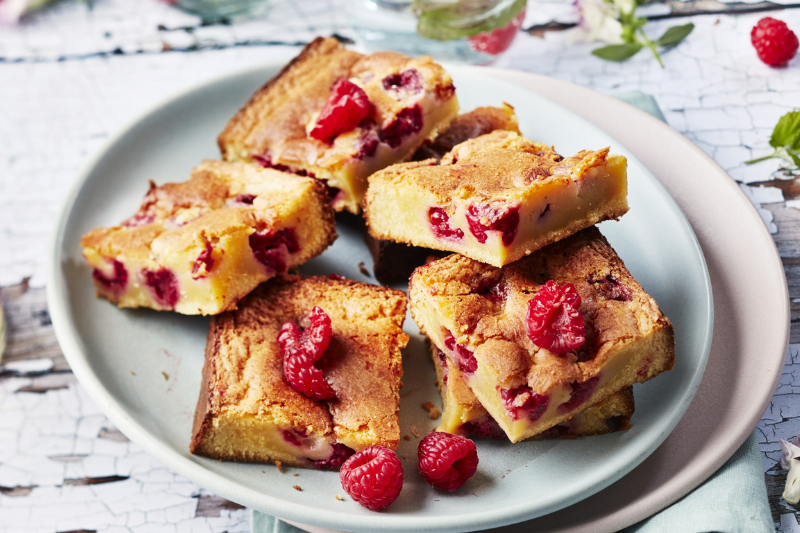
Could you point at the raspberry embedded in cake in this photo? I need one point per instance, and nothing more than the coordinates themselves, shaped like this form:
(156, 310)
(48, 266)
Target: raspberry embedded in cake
(267, 360)
(495, 198)
(340, 116)
(463, 413)
(199, 246)
(533, 368)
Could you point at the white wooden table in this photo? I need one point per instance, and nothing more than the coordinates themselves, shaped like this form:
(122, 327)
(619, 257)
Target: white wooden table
(70, 77)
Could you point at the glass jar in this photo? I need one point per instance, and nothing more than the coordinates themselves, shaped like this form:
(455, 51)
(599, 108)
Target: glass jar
(220, 9)
(462, 31)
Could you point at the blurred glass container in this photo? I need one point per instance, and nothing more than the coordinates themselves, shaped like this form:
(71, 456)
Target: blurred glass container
(221, 9)
(462, 31)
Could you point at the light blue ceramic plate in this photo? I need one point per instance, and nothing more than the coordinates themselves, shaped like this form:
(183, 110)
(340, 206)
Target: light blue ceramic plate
(119, 355)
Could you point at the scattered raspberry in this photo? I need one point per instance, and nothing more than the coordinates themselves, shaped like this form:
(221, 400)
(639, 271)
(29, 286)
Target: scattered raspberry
(774, 42)
(554, 320)
(301, 350)
(447, 461)
(373, 477)
(484, 217)
(347, 105)
(440, 225)
(498, 40)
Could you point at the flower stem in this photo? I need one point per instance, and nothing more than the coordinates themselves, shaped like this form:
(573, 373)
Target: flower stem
(759, 159)
(645, 41)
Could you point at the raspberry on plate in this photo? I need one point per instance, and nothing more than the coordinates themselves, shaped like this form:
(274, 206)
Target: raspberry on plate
(495, 198)
(339, 116)
(476, 315)
(373, 477)
(463, 413)
(199, 246)
(248, 411)
(774, 42)
(447, 461)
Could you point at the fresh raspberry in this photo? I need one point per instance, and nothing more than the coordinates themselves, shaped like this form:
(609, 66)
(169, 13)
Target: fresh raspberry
(485, 217)
(373, 477)
(447, 461)
(301, 350)
(774, 42)
(498, 40)
(347, 105)
(440, 225)
(554, 320)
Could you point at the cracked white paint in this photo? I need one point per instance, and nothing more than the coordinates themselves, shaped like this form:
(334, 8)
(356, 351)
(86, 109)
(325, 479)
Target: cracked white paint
(57, 113)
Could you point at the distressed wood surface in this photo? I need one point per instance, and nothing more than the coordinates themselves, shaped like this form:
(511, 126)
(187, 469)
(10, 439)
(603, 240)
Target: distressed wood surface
(72, 77)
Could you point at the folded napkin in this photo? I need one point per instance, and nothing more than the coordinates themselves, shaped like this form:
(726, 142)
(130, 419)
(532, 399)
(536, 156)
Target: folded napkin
(733, 500)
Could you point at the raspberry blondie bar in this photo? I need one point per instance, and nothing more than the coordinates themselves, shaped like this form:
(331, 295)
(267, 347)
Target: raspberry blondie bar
(248, 411)
(395, 261)
(199, 246)
(496, 198)
(339, 116)
(541, 339)
(463, 414)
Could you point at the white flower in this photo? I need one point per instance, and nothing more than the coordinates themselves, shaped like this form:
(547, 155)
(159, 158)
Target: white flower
(790, 460)
(13, 10)
(598, 22)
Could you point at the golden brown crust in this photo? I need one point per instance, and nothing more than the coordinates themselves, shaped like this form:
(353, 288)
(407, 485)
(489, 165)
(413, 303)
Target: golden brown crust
(466, 126)
(308, 77)
(495, 165)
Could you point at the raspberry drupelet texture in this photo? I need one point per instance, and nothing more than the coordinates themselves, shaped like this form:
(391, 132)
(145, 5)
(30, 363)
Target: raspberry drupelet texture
(554, 320)
(774, 42)
(373, 477)
(447, 461)
(347, 105)
(301, 350)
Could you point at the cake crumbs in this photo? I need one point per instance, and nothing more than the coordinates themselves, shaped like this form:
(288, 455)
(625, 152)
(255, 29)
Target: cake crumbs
(263, 471)
(280, 466)
(338, 497)
(363, 269)
(297, 488)
(166, 376)
(406, 437)
(132, 372)
(433, 411)
(401, 384)
(295, 474)
(414, 431)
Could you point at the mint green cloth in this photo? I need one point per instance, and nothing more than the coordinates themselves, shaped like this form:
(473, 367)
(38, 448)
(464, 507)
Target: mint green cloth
(733, 500)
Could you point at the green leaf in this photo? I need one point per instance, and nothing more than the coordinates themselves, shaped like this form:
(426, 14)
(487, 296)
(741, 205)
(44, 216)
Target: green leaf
(787, 131)
(675, 34)
(617, 52)
(446, 20)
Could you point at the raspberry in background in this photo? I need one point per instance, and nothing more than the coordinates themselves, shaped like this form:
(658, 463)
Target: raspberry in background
(447, 461)
(373, 477)
(774, 42)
